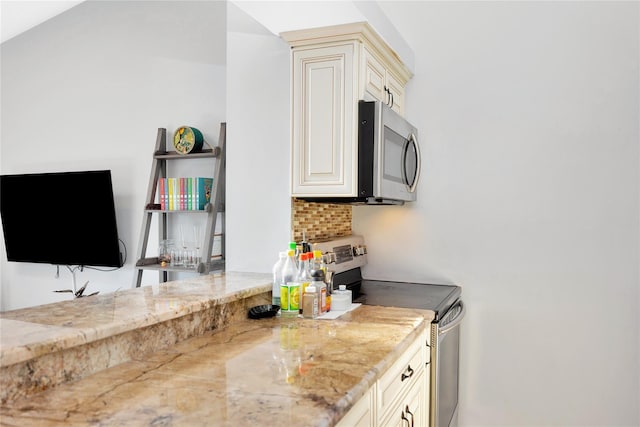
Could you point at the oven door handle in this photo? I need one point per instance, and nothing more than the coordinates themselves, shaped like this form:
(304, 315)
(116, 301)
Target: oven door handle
(456, 321)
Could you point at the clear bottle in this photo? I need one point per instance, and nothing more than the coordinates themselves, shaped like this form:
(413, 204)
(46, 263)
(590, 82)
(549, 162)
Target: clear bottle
(310, 301)
(318, 263)
(303, 276)
(289, 288)
(317, 281)
(293, 247)
(277, 278)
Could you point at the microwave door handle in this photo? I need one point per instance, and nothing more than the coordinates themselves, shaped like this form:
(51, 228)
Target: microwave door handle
(412, 139)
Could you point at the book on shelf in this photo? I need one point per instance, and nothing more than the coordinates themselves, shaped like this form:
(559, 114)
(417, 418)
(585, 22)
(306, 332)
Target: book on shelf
(184, 193)
(162, 195)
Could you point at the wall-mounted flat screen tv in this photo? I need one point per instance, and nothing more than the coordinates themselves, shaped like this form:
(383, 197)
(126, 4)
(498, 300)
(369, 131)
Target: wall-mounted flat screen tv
(61, 218)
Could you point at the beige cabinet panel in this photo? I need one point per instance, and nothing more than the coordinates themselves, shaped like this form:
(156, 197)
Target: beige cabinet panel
(411, 410)
(397, 94)
(362, 414)
(381, 84)
(324, 132)
(405, 374)
(374, 77)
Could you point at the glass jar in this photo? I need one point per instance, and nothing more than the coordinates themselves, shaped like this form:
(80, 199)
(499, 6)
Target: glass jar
(164, 252)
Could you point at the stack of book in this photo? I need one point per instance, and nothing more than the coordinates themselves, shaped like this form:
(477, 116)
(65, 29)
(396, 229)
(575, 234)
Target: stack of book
(184, 194)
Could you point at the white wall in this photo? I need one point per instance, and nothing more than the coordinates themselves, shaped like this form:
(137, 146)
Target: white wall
(88, 90)
(528, 114)
(528, 117)
(258, 196)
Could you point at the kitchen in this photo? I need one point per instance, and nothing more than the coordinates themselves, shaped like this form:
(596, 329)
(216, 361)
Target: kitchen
(528, 198)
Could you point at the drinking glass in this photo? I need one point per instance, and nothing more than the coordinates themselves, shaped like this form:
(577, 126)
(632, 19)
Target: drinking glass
(197, 239)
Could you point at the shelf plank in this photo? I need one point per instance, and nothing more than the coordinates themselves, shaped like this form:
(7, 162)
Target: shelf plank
(203, 154)
(215, 264)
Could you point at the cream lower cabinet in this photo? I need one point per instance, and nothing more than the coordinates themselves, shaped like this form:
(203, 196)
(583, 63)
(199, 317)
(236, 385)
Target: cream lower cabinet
(363, 412)
(332, 69)
(412, 411)
(400, 397)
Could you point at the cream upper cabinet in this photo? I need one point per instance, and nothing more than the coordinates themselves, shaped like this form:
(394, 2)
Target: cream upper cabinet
(381, 83)
(332, 69)
(324, 124)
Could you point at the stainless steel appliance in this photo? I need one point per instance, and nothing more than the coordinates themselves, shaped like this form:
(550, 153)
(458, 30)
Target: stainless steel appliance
(444, 300)
(388, 158)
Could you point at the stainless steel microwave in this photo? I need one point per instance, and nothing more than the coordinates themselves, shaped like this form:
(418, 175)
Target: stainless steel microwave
(388, 158)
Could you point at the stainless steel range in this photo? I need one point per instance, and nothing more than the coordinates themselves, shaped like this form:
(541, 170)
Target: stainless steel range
(346, 256)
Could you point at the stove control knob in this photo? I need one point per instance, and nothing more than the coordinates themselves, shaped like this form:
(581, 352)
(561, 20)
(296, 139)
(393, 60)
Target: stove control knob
(329, 258)
(359, 250)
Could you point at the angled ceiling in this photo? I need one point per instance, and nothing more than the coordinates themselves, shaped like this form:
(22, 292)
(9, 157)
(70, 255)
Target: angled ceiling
(17, 16)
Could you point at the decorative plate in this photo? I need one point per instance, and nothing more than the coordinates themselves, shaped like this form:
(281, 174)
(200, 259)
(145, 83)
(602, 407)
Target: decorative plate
(187, 139)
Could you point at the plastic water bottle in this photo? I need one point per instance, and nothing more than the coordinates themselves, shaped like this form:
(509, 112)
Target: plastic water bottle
(277, 278)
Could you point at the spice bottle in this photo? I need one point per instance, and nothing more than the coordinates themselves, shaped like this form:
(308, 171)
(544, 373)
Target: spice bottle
(310, 302)
(317, 281)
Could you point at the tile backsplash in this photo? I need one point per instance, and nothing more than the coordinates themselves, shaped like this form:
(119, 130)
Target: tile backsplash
(319, 221)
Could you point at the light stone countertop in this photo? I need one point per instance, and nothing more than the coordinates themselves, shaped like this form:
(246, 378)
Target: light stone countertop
(268, 372)
(34, 331)
(44, 346)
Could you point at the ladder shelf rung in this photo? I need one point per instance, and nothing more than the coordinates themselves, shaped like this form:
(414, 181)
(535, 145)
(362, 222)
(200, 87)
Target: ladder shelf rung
(203, 154)
(214, 263)
(195, 211)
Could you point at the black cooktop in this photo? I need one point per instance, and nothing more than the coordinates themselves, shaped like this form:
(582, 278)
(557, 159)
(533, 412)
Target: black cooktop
(409, 295)
(438, 298)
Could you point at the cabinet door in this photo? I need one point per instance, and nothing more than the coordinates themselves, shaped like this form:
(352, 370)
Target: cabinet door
(402, 375)
(374, 77)
(397, 94)
(410, 411)
(362, 414)
(324, 134)
(380, 83)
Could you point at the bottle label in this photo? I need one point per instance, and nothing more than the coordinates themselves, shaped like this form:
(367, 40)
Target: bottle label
(290, 296)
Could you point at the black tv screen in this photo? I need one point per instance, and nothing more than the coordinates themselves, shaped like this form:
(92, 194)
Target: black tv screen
(61, 218)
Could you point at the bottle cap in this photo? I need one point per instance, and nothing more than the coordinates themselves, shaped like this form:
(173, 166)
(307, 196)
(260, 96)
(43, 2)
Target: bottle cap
(317, 275)
(317, 254)
(290, 252)
(292, 246)
(342, 287)
(310, 288)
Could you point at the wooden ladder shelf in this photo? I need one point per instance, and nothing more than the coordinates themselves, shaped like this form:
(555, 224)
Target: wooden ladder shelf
(161, 155)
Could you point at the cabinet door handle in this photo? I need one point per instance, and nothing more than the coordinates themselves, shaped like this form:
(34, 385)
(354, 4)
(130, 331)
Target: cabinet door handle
(391, 94)
(409, 373)
(404, 418)
(388, 96)
(410, 413)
